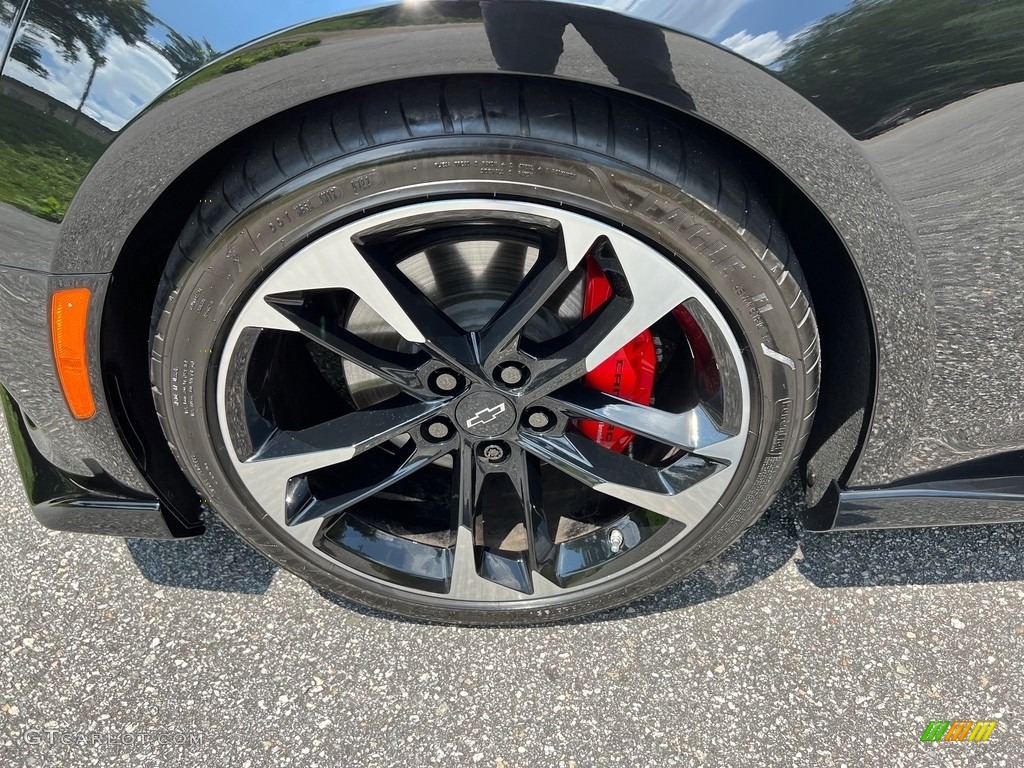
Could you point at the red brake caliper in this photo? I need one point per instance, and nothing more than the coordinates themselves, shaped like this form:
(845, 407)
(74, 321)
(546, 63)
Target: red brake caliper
(628, 374)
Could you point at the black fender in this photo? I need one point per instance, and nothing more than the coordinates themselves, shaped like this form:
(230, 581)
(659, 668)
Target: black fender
(174, 129)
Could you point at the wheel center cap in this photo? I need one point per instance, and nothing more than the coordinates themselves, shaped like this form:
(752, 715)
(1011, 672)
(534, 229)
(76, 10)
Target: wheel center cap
(485, 414)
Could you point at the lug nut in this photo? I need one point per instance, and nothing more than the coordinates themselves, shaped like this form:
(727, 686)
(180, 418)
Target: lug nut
(512, 374)
(616, 540)
(540, 419)
(439, 430)
(446, 382)
(494, 453)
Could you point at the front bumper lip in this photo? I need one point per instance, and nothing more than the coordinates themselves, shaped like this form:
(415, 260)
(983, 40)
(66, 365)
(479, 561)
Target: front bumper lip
(65, 502)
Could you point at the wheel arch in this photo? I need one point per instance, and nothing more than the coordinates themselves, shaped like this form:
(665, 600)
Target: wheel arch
(842, 305)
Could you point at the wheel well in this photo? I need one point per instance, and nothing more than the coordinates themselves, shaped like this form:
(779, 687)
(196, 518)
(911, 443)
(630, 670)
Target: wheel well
(841, 308)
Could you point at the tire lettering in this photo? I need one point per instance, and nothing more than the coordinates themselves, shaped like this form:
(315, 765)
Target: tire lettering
(785, 408)
(495, 168)
(183, 386)
(199, 304)
(328, 195)
(278, 222)
(315, 202)
(717, 252)
(366, 182)
(756, 312)
(765, 478)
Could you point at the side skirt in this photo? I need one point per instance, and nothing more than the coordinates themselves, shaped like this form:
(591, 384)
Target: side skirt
(982, 493)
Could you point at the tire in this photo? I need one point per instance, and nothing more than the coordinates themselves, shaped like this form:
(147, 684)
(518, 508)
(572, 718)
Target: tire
(551, 157)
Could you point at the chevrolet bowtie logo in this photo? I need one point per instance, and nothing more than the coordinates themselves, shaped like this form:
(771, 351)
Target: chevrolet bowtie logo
(485, 416)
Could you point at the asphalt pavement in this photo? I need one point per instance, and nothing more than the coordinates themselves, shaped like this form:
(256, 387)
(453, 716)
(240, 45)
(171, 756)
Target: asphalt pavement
(790, 649)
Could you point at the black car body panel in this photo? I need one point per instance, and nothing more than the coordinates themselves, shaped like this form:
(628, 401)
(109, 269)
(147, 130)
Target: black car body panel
(69, 501)
(907, 185)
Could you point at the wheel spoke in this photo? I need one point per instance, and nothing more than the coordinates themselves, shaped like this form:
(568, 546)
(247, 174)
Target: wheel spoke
(591, 464)
(524, 471)
(694, 431)
(466, 582)
(314, 508)
(399, 368)
(525, 475)
(286, 455)
(646, 288)
(258, 313)
(315, 447)
(689, 505)
(657, 286)
(332, 262)
(672, 491)
(559, 255)
(531, 567)
(564, 360)
(441, 334)
(270, 489)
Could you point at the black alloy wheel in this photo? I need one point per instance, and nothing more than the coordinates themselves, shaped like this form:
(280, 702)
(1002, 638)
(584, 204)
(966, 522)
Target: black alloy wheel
(485, 376)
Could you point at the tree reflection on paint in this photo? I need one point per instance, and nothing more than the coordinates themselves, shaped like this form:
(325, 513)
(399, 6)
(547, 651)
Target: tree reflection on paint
(881, 63)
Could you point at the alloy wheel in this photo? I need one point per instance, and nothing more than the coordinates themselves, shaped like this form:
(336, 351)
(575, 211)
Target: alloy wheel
(432, 397)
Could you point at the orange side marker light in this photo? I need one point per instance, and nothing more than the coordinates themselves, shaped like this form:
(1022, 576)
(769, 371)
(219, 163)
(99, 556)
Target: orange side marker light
(69, 310)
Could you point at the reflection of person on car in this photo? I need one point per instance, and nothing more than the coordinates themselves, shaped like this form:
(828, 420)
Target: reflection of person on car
(527, 37)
